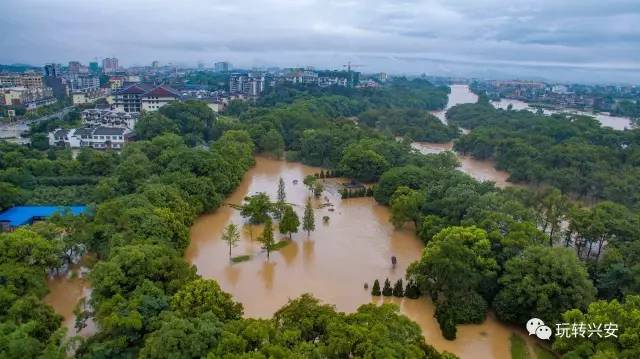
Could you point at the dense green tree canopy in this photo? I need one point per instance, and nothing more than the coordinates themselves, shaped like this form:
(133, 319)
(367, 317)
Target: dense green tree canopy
(543, 283)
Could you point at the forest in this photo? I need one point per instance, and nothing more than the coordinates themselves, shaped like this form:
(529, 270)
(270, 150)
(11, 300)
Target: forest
(516, 251)
(572, 153)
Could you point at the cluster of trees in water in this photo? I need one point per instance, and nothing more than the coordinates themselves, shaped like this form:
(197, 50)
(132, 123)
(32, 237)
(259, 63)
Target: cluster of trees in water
(259, 209)
(517, 251)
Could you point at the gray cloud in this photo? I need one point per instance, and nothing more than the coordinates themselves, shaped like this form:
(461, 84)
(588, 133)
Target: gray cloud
(568, 40)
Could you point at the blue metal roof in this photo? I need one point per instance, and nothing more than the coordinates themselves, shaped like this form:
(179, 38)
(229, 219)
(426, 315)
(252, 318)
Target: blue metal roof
(21, 215)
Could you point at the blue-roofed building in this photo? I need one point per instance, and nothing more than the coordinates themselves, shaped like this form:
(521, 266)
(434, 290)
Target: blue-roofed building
(22, 215)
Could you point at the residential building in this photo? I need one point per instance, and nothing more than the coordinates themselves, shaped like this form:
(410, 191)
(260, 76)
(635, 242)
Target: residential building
(109, 118)
(327, 81)
(109, 65)
(560, 89)
(53, 78)
(116, 82)
(76, 68)
(28, 80)
(222, 66)
(52, 70)
(31, 98)
(368, 84)
(90, 95)
(59, 85)
(246, 83)
(85, 82)
(94, 137)
(144, 97)
(94, 68)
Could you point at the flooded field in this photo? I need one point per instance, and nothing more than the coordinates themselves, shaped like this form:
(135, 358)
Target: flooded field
(333, 263)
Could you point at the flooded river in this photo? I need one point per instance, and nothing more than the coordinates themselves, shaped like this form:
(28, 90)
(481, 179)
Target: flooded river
(333, 263)
(480, 170)
(459, 94)
(615, 122)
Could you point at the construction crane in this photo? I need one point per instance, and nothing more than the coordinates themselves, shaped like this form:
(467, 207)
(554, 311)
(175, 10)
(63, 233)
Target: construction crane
(349, 65)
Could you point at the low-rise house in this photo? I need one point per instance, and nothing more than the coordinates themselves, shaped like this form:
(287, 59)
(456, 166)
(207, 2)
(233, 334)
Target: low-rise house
(110, 118)
(94, 137)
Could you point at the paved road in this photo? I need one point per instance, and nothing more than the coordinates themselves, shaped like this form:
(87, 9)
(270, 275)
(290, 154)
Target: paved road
(15, 129)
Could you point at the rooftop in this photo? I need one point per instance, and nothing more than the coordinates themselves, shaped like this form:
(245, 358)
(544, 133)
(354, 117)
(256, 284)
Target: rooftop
(21, 215)
(109, 131)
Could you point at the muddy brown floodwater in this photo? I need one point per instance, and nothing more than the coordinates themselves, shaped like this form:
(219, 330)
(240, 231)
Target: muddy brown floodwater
(65, 291)
(480, 170)
(333, 263)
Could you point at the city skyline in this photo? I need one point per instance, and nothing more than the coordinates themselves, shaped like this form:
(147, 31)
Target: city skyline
(572, 41)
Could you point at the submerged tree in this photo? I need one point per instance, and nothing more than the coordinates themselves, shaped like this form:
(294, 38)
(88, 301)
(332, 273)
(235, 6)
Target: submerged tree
(309, 181)
(289, 222)
(412, 291)
(308, 221)
(376, 288)
(256, 208)
(397, 289)
(231, 235)
(282, 195)
(317, 189)
(267, 238)
(387, 291)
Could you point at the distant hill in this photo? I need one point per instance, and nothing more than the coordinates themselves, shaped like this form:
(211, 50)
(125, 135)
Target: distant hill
(18, 68)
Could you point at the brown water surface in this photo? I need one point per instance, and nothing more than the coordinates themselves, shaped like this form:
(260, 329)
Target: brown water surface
(482, 170)
(478, 169)
(65, 291)
(459, 94)
(333, 263)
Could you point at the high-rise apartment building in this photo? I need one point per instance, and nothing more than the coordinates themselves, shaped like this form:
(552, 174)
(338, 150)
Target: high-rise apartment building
(246, 83)
(74, 67)
(222, 66)
(52, 70)
(109, 65)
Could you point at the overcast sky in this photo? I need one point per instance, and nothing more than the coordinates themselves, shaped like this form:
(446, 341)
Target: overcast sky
(564, 40)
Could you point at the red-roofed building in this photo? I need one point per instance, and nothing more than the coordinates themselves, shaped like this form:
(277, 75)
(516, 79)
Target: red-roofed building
(144, 97)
